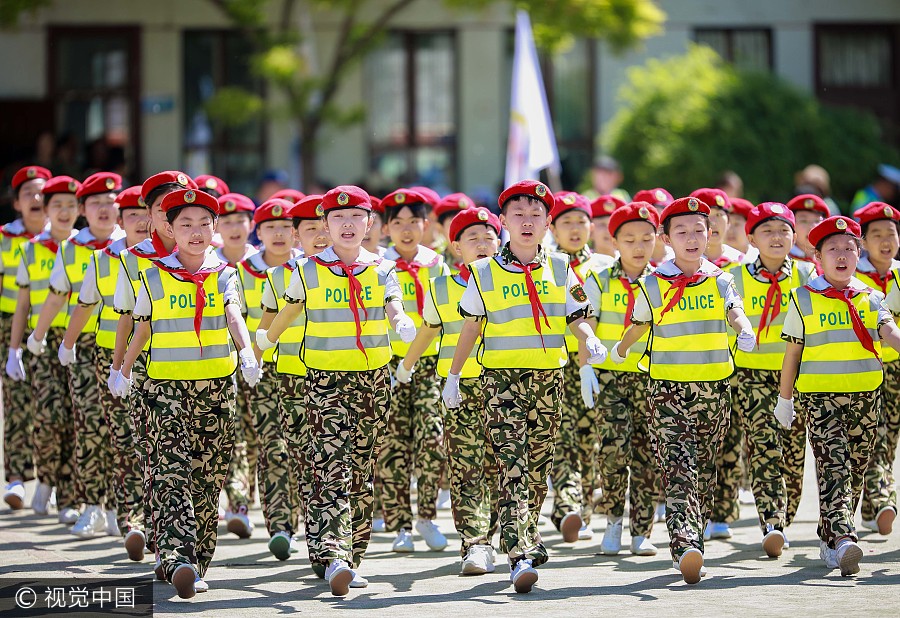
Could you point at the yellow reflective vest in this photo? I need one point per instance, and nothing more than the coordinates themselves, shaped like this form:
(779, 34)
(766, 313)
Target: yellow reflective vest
(288, 356)
(888, 354)
(611, 323)
(13, 238)
(39, 257)
(408, 286)
(446, 292)
(107, 267)
(253, 282)
(76, 257)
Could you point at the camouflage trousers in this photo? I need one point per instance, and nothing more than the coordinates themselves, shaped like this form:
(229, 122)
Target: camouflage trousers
(18, 413)
(472, 469)
(725, 505)
(842, 430)
(240, 484)
(139, 407)
(292, 410)
(191, 424)
(879, 489)
(523, 410)
(347, 417)
(413, 446)
(278, 487)
(626, 450)
(755, 396)
(575, 457)
(688, 421)
(54, 424)
(127, 445)
(793, 443)
(93, 446)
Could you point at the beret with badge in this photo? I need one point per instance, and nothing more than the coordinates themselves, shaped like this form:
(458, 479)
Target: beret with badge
(767, 211)
(307, 207)
(634, 211)
(168, 177)
(130, 198)
(605, 205)
(565, 201)
(452, 204)
(474, 215)
(658, 197)
(31, 172)
(527, 188)
(273, 210)
(714, 198)
(231, 203)
(190, 197)
(832, 226)
(684, 206)
(876, 211)
(61, 184)
(291, 195)
(212, 183)
(344, 196)
(809, 202)
(101, 182)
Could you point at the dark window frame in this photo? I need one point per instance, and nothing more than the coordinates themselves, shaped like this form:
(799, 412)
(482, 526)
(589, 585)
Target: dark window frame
(730, 31)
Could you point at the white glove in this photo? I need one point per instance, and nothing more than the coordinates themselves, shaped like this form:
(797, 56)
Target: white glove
(14, 367)
(590, 386)
(405, 328)
(615, 356)
(403, 374)
(36, 347)
(746, 341)
(262, 340)
(597, 351)
(250, 369)
(111, 381)
(450, 394)
(784, 412)
(66, 356)
(124, 385)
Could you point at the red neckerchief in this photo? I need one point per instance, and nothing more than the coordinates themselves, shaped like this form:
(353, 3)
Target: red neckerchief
(356, 301)
(533, 298)
(158, 246)
(881, 283)
(629, 308)
(251, 269)
(413, 269)
(721, 261)
(22, 234)
(858, 327)
(96, 245)
(465, 273)
(765, 320)
(47, 243)
(574, 262)
(198, 279)
(459, 266)
(679, 283)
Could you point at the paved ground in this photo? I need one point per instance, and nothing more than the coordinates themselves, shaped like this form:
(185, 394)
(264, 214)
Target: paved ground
(246, 580)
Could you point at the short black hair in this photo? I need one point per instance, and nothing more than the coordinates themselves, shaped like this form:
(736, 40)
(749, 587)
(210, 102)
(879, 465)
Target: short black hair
(46, 197)
(212, 192)
(822, 242)
(667, 224)
(163, 189)
(418, 209)
(444, 216)
(865, 226)
(83, 198)
(172, 214)
(528, 198)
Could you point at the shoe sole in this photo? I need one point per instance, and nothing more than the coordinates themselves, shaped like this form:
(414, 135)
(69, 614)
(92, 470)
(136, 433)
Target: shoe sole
(773, 545)
(159, 572)
(885, 521)
(340, 583)
(850, 561)
(134, 545)
(183, 580)
(470, 568)
(720, 536)
(525, 582)
(570, 527)
(236, 526)
(15, 502)
(644, 552)
(690, 566)
(403, 550)
(280, 547)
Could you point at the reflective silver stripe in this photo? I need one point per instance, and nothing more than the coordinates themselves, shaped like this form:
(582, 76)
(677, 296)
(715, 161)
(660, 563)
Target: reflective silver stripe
(40, 284)
(654, 294)
(813, 368)
(441, 293)
(773, 347)
(613, 318)
(335, 344)
(485, 276)
(288, 349)
(410, 305)
(154, 284)
(310, 275)
(708, 357)
(101, 263)
(107, 325)
(254, 312)
(210, 352)
(739, 280)
(560, 266)
(502, 316)
(837, 335)
(687, 329)
(186, 325)
(526, 342)
(68, 252)
(223, 277)
(452, 328)
(342, 315)
(804, 301)
(8, 292)
(130, 262)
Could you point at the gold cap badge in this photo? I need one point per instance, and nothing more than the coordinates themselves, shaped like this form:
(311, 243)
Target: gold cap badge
(343, 199)
(840, 224)
(110, 184)
(808, 203)
(720, 201)
(211, 183)
(320, 210)
(540, 190)
(483, 215)
(182, 180)
(693, 204)
(644, 213)
(189, 196)
(31, 173)
(277, 210)
(777, 209)
(230, 206)
(73, 186)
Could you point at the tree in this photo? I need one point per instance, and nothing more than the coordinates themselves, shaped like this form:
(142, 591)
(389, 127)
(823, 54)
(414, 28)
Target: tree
(685, 120)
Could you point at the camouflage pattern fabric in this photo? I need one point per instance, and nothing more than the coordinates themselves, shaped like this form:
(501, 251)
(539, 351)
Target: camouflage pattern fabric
(793, 444)
(292, 411)
(841, 431)
(523, 410)
(240, 485)
(139, 406)
(725, 507)
(472, 469)
(688, 421)
(626, 450)
(880, 489)
(344, 435)
(413, 446)
(18, 413)
(191, 424)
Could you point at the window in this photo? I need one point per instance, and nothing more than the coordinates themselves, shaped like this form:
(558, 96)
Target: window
(411, 112)
(745, 48)
(212, 60)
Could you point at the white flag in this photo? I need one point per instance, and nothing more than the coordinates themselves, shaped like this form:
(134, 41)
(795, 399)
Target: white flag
(532, 143)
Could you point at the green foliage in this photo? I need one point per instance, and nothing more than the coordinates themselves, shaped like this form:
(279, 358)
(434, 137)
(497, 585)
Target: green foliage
(233, 106)
(11, 10)
(685, 120)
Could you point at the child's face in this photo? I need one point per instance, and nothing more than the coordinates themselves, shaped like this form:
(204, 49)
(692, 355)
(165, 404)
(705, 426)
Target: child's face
(347, 227)
(635, 242)
(406, 230)
(838, 258)
(805, 220)
(774, 239)
(688, 236)
(277, 236)
(601, 238)
(736, 235)
(29, 204)
(235, 229)
(158, 222)
(136, 223)
(101, 213)
(718, 226)
(572, 230)
(372, 239)
(476, 242)
(526, 221)
(312, 236)
(62, 210)
(193, 230)
(881, 241)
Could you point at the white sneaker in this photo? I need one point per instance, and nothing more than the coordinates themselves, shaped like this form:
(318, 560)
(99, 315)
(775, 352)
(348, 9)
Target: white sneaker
(828, 555)
(339, 575)
(787, 544)
(569, 526)
(68, 516)
(358, 581)
(848, 554)
(773, 542)
(40, 502)
(443, 501)
(433, 536)
(641, 546)
(745, 496)
(478, 561)
(403, 544)
(691, 566)
(524, 576)
(91, 523)
(378, 524)
(612, 538)
(14, 495)
(295, 546)
(112, 524)
(660, 513)
(870, 524)
(239, 523)
(200, 585)
(717, 530)
(585, 534)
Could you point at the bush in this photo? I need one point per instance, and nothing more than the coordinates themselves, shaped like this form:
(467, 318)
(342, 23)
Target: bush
(685, 120)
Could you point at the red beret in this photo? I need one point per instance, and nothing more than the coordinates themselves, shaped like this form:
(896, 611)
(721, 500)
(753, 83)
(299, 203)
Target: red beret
(376, 204)
(291, 195)
(213, 183)
(529, 188)
(605, 205)
(809, 201)
(767, 211)
(474, 215)
(635, 211)
(876, 211)
(453, 203)
(401, 198)
(658, 197)
(714, 198)
(684, 206)
(565, 201)
(101, 182)
(190, 197)
(742, 207)
(306, 208)
(432, 198)
(61, 184)
(231, 203)
(275, 209)
(32, 172)
(344, 196)
(172, 176)
(832, 226)
(130, 198)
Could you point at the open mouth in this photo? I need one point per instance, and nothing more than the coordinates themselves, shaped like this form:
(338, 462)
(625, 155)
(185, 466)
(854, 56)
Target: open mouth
(348, 235)
(482, 256)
